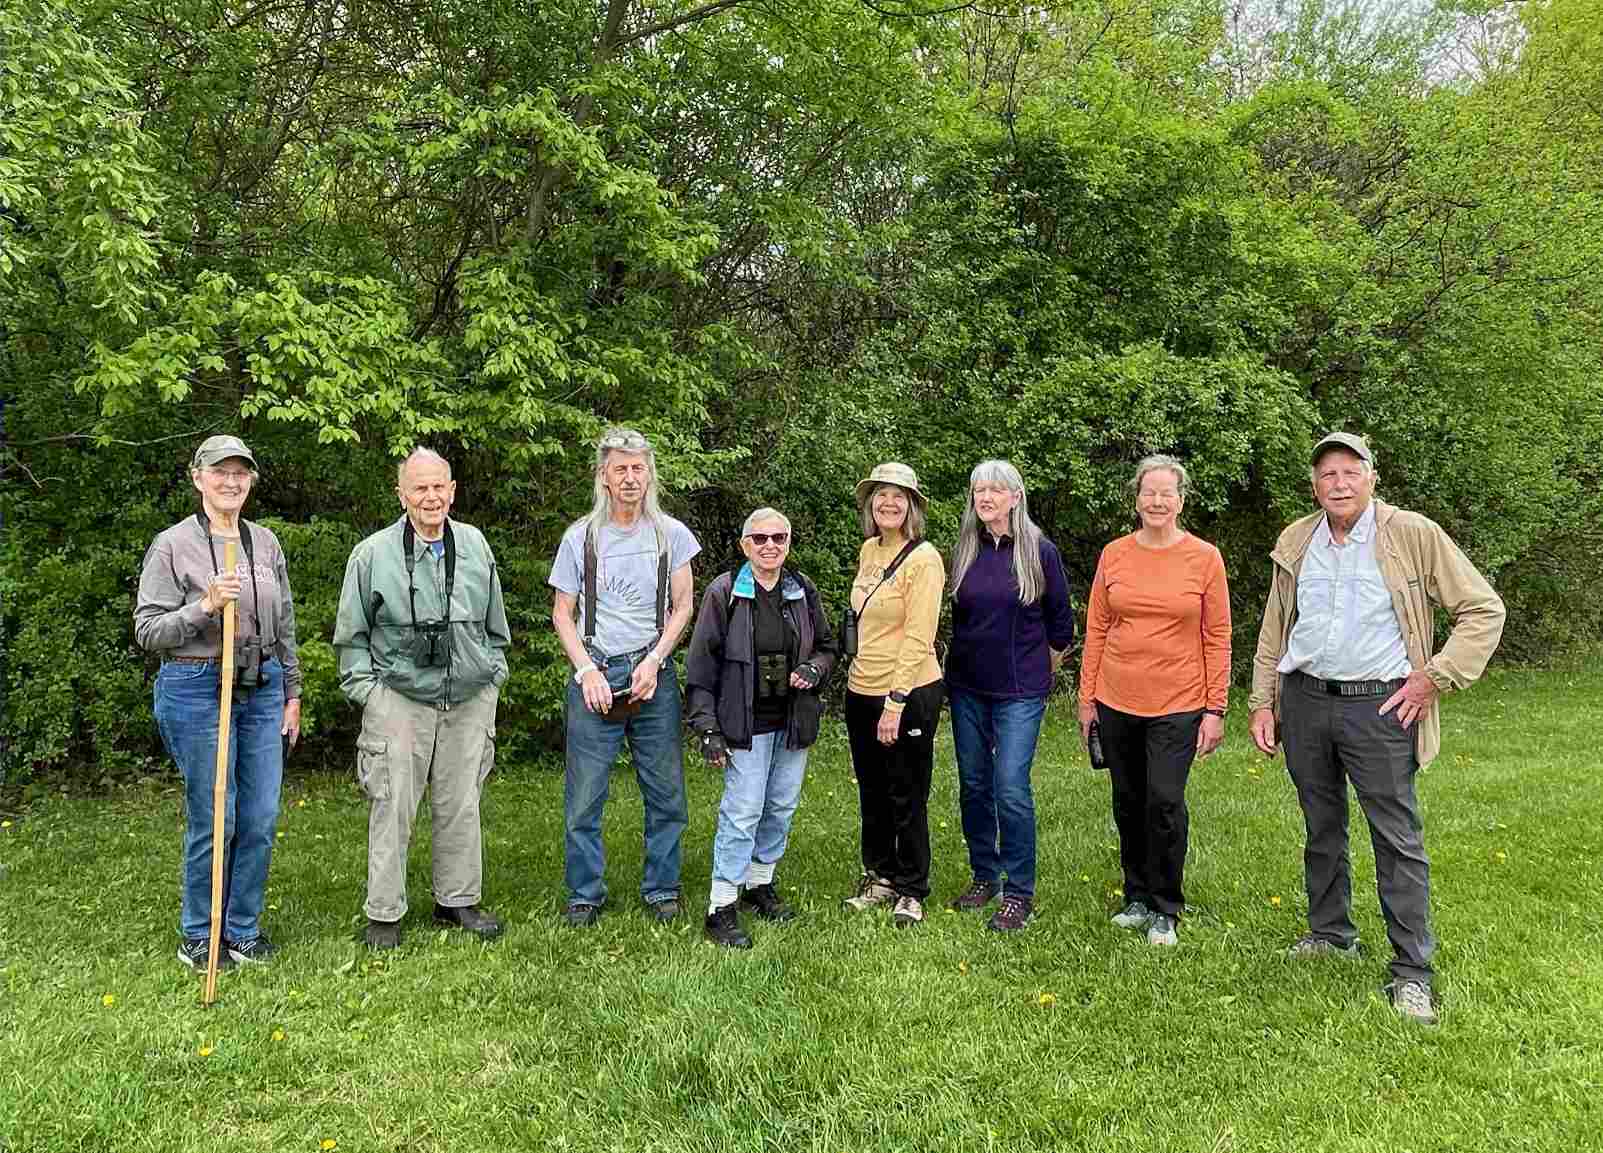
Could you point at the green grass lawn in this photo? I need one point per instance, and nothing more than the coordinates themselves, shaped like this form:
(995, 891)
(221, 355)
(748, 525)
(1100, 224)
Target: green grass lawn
(837, 1031)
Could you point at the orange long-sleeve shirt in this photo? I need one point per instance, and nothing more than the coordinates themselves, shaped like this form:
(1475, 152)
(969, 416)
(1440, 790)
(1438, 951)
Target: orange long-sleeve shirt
(1157, 633)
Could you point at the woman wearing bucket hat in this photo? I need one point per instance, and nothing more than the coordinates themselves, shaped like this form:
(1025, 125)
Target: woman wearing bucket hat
(894, 691)
(182, 593)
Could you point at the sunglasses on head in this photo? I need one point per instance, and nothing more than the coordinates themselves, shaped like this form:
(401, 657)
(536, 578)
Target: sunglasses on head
(762, 538)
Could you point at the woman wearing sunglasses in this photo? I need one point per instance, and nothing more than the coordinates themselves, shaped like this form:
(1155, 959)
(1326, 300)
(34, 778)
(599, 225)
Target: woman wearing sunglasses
(761, 649)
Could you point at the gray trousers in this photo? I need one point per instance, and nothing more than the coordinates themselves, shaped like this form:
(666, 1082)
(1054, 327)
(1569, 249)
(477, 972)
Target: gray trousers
(406, 747)
(1330, 740)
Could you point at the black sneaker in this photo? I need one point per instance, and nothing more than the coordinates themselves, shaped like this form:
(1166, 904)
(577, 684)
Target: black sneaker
(472, 918)
(665, 910)
(766, 903)
(581, 915)
(976, 896)
(192, 952)
(381, 935)
(723, 928)
(257, 951)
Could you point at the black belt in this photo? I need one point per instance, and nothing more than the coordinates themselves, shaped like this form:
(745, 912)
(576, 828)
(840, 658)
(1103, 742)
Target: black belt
(1349, 688)
(169, 660)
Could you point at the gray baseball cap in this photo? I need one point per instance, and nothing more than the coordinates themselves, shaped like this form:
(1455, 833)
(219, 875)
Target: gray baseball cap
(1350, 441)
(216, 449)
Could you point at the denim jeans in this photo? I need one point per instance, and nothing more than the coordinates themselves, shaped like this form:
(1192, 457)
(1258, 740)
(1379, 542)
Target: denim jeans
(995, 743)
(656, 746)
(186, 714)
(762, 786)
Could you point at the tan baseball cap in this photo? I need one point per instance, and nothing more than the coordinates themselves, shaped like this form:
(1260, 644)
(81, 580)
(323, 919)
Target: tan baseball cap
(891, 473)
(216, 449)
(1350, 441)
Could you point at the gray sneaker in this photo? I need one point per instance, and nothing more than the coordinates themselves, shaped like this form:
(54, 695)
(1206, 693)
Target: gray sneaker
(1161, 930)
(1135, 915)
(1308, 945)
(909, 911)
(1412, 1000)
(871, 891)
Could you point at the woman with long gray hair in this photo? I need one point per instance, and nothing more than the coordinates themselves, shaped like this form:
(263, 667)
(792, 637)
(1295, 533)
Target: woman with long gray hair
(1011, 624)
(1154, 678)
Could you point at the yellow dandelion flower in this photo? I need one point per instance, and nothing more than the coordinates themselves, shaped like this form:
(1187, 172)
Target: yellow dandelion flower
(1086, 877)
(5, 824)
(109, 1000)
(962, 966)
(301, 804)
(279, 835)
(1046, 1000)
(278, 1034)
(1275, 901)
(204, 1050)
(328, 1143)
(1501, 856)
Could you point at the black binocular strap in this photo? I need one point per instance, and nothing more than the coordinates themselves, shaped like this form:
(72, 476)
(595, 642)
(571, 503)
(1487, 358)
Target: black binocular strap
(590, 565)
(250, 563)
(408, 546)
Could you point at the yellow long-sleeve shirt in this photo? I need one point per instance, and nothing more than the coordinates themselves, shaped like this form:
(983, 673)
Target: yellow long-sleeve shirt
(896, 631)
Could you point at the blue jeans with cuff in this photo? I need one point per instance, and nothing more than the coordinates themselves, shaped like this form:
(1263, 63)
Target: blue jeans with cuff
(994, 739)
(656, 746)
(762, 787)
(187, 697)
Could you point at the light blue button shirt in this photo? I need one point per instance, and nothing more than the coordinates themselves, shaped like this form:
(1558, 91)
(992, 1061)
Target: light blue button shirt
(1346, 626)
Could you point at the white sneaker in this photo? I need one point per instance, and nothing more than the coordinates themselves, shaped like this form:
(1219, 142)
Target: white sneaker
(1161, 930)
(1135, 915)
(1412, 1000)
(909, 911)
(871, 891)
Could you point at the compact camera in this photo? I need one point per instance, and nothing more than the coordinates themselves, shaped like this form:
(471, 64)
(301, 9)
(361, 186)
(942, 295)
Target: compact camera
(431, 644)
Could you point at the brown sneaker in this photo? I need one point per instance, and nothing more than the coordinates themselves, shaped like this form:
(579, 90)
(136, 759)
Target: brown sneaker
(1012, 916)
(975, 897)
(871, 891)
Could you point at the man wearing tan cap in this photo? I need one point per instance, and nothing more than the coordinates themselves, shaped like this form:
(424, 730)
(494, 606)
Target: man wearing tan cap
(1347, 675)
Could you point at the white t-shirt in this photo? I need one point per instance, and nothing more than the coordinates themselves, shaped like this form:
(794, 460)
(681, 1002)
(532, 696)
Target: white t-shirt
(626, 579)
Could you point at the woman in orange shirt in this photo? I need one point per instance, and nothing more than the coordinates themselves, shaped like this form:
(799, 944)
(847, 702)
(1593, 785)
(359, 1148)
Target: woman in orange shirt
(1154, 679)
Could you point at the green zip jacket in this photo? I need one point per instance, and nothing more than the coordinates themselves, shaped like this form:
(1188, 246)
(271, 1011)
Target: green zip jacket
(1420, 564)
(373, 630)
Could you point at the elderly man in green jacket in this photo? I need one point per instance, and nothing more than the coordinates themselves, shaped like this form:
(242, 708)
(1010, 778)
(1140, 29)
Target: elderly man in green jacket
(422, 636)
(1347, 676)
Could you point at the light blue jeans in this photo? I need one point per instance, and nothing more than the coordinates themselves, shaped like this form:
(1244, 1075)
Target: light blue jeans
(656, 745)
(187, 696)
(762, 786)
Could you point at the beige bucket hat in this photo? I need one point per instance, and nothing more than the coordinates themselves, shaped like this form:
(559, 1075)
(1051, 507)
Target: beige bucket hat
(891, 473)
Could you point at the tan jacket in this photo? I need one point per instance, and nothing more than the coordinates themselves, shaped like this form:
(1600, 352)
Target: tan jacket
(1420, 565)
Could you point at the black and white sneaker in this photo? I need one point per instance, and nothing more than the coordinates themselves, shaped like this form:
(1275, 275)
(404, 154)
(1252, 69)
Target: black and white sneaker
(257, 951)
(192, 952)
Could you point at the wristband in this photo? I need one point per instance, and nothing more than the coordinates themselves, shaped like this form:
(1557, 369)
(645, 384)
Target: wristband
(1215, 713)
(578, 677)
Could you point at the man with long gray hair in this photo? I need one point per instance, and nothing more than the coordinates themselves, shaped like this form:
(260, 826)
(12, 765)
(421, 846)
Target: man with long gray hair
(422, 636)
(624, 594)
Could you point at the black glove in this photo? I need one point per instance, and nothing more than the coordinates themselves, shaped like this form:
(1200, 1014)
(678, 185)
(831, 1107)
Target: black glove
(810, 675)
(713, 749)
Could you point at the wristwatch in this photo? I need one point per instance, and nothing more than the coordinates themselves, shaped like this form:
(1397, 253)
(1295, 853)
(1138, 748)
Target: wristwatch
(1215, 712)
(899, 697)
(578, 677)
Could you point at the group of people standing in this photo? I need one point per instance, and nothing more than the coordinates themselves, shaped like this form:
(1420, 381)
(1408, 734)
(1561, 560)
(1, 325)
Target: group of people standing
(1345, 673)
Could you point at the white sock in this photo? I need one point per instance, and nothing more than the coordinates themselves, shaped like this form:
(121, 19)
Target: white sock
(723, 893)
(759, 873)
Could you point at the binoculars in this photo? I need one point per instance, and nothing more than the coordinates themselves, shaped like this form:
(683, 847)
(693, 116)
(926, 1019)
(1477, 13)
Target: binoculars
(848, 632)
(431, 644)
(248, 663)
(773, 676)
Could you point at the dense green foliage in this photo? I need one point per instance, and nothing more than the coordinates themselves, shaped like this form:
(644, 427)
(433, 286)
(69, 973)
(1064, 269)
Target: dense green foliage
(837, 1032)
(787, 240)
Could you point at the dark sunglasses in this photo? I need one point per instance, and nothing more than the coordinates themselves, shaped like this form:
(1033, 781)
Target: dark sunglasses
(762, 538)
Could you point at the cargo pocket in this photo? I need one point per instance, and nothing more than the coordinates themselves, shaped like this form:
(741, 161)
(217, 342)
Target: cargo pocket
(373, 767)
(487, 760)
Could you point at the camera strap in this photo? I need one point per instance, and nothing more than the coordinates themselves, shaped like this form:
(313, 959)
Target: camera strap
(409, 547)
(890, 571)
(250, 562)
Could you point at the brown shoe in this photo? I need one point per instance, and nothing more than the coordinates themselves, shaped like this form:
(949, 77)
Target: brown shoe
(1012, 916)
(472, 918)
(975, 897)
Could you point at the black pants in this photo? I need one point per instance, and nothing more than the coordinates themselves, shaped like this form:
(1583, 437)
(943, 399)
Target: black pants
(1329, 741)
(893, 786)
(1149, 759)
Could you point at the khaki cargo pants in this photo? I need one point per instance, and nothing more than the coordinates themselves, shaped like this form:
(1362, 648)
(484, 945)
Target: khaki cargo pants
(407, 746)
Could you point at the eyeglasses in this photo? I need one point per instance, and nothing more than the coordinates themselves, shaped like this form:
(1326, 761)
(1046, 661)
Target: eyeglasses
(238, 475)
(761, 538)
(631, 441)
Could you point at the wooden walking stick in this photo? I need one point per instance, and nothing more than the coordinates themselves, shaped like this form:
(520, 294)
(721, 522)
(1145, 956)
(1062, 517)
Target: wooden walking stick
(225, 674)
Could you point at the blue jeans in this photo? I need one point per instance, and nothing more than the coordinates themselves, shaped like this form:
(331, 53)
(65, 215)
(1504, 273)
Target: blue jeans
(762, 786)
(995, 743)
(656, 747)
(186, 714)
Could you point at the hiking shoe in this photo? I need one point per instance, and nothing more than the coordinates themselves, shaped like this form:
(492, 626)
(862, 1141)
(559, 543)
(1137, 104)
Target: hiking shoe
(909, 911)
(257, 951)
(472, 918)
(1161, 930)
(192, 952)
(665, 910)
(871, 891)
(976, 896)
(765, 901)
(581, 915)
(1412, 1000)
(381, 935)
(1309, 945)
(1013, 914)
(723, 928)
(1135, 915)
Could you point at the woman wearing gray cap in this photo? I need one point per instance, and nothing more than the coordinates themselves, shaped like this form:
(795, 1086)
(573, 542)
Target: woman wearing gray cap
(182, 593)
(894, 692)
